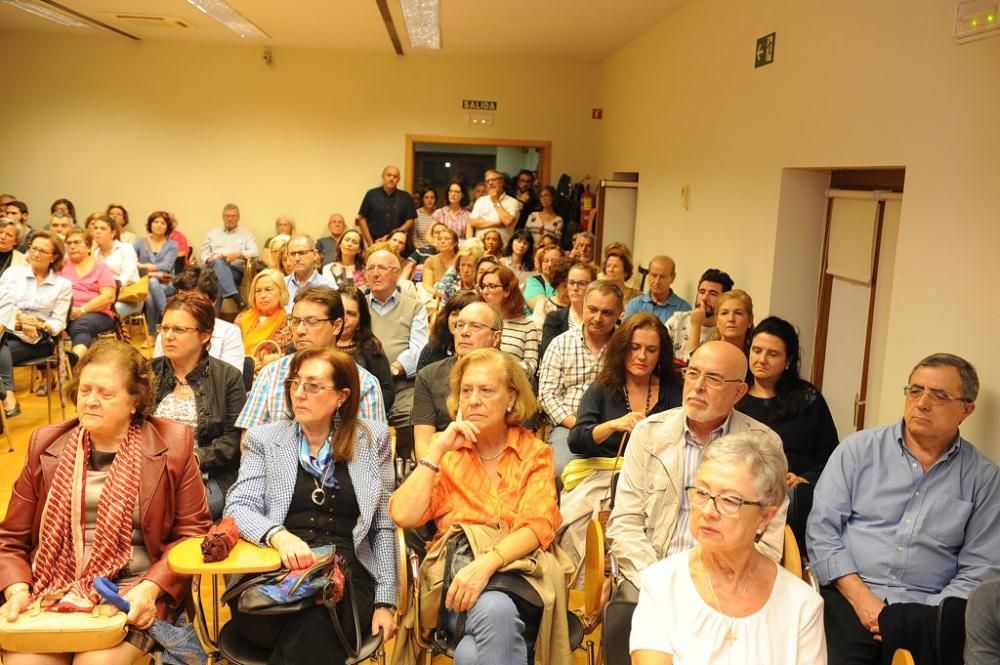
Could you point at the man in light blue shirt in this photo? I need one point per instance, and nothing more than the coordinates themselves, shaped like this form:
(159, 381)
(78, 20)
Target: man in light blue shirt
(301, 251)
(660, 300)
(903, 517)
(226, 251)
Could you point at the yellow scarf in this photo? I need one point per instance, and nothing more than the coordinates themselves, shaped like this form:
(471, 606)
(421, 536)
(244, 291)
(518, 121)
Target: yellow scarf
(254, 334)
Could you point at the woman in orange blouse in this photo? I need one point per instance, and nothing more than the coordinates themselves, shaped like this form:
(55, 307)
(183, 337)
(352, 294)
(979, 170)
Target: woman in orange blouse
(485, 468)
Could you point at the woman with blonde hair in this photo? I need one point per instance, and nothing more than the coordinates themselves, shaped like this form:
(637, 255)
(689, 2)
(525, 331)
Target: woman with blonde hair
(264, 323)
(462, 275)
(734, 319)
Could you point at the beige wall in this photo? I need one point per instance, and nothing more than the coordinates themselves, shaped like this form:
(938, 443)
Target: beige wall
(855, 84)
(189, 127)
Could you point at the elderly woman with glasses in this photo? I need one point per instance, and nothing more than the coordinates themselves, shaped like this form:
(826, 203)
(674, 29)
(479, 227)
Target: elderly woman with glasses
(38, 300)
(321, 479)
(200, 391)
(728, 603)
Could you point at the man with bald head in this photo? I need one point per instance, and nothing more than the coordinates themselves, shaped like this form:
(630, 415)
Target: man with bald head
(478, 326)
(385, 208)
(652, 513)
(399, 321)
(660, 300)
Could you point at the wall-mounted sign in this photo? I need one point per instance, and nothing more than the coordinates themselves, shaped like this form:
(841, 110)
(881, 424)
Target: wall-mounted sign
(765, 51)
(479, 105)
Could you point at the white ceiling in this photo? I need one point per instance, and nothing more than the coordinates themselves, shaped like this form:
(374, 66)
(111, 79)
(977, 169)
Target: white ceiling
(576, 30)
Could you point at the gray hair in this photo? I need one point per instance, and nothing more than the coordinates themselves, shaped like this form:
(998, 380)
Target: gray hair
(765, 461)
(301, 236)
(607, 287)
(967, 373)
(7, 221)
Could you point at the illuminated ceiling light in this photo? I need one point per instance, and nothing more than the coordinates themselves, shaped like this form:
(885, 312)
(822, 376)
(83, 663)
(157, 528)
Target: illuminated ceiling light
(49, 14)
(220, 11)
(422, 23)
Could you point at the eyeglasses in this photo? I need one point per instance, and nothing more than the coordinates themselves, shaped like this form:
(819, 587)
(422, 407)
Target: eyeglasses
(711, 380)
(937, 397)
(577, 284)
(725, 504)
(38, 250)
(174, 331)
(310, 323)
(473, 326)
(308, 386)
(490, 287)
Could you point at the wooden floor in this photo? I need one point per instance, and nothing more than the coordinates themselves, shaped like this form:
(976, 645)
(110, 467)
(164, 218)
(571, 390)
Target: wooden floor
(34, 414)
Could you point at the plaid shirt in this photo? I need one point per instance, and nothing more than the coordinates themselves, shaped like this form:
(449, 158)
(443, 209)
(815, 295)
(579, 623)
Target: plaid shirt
(568, 369)
(693, 449)
(266, 401)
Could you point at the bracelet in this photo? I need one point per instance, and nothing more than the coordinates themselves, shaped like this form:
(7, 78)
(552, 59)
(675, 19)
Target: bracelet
(503, 561)
(423, 461)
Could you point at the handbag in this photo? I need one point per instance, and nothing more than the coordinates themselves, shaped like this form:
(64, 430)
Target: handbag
(136, 291)
(48, 631)
(288, 591)
(459, 554)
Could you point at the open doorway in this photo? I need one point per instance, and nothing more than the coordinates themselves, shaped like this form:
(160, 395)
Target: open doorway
(434, 161)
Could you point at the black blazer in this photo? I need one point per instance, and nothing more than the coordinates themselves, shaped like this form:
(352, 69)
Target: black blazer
(219, 397)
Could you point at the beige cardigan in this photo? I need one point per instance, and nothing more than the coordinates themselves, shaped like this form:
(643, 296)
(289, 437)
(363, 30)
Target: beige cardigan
(546, 571)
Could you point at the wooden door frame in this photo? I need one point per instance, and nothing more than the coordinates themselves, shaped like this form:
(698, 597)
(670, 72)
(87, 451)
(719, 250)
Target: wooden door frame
(544, 152)
(823, 313)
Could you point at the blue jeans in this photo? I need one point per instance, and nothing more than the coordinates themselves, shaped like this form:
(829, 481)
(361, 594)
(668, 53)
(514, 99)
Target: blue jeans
(230, 275)
(156, 302)
(559, 440)
(494, 632)
(14, 351)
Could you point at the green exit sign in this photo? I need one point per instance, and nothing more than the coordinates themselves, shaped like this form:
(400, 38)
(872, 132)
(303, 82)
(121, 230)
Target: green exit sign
(765, 51)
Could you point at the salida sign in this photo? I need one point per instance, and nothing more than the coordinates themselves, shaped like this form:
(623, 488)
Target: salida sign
(479, 105)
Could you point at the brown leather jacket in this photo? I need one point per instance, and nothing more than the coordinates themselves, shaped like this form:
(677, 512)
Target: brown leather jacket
(172, 503)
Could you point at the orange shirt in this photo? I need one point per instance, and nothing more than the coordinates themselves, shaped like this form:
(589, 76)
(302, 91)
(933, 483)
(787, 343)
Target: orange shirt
(524, 496)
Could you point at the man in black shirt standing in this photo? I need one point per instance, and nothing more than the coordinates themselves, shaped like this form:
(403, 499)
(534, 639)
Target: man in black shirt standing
(385, 208)
(527, 195)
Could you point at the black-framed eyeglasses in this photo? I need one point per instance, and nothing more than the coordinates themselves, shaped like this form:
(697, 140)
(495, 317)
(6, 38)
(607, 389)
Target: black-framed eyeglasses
(725, 504)
(473, 326)
(712, 380)
(938, 397)
(308, 386)
(310, 322)
(490, 287)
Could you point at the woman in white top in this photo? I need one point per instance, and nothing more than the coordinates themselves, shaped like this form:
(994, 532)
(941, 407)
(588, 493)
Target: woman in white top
(119, 257)
(725, 602)
(545, 222)
(36, 303)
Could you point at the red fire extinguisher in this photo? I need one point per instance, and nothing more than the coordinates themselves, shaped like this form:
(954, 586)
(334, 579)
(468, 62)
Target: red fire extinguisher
(588, 204)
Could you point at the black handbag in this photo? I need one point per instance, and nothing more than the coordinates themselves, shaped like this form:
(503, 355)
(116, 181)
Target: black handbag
(459, 554)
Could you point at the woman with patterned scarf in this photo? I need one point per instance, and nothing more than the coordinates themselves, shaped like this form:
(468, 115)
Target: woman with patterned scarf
(104, 495)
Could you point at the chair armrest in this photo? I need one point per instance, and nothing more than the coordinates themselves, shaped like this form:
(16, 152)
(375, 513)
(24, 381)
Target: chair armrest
(186, 558)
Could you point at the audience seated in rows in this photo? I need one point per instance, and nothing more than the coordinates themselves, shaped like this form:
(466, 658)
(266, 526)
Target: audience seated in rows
(199, 391)
(227, 339)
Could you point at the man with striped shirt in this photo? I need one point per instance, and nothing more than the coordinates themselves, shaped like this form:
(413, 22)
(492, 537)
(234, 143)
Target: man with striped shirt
(652, 513)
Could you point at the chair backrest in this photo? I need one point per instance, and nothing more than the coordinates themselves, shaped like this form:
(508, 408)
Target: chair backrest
(902, 657)
(791, 559)
(593, 567)
(247, 372)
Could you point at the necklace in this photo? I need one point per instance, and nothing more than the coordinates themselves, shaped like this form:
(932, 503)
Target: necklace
(730, 621)
(649, 397)
(491, 457)
(183, 388)
(318, 495)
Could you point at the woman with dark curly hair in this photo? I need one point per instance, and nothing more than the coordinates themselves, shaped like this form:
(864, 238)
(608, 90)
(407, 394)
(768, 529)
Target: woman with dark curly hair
(359, 341)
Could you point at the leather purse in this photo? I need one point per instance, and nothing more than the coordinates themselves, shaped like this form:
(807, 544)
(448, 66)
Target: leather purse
(288, 591)
(47, 631)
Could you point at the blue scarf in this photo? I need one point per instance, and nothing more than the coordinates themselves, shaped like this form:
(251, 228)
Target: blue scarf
(321, 465)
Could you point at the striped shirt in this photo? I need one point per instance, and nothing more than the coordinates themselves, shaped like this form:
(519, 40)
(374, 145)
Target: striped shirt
(568, 369)
(521, 338)
(682, 540)
(266, 401)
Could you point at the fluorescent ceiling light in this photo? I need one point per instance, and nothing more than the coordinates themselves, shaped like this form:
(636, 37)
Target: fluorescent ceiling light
(229, 17)
(46, 13)
(422, 23)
